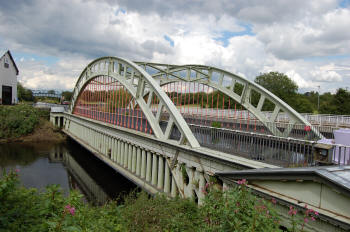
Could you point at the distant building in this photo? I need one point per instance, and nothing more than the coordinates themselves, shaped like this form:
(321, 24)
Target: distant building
(8, 79)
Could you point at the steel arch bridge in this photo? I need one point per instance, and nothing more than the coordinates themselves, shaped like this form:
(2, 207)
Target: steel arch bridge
(145, 97)
(134, 116)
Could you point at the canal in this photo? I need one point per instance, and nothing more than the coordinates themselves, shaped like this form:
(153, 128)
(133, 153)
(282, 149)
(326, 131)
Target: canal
(66, 164)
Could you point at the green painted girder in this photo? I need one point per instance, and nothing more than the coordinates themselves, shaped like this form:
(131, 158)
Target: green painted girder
(225, 82)
(137, 82)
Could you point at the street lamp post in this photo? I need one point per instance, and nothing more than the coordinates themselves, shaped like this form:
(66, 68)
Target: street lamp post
(318, 99)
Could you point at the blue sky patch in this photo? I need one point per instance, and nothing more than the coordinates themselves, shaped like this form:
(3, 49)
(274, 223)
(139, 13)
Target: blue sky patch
(48, 60)
(120, 10)
(226, 35)
(344, 3)
(327, 58)
(167, 38)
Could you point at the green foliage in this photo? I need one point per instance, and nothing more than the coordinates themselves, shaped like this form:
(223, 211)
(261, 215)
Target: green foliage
(67, 95)
(18, 120)
(280, 85)
(235, 209)
(342, 101)
(24, 94)
(25, 209)
(53, 100)
(216, 124)
(302, 104)
(144, 213)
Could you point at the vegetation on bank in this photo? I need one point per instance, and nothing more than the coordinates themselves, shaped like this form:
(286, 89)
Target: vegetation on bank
(26, 123)
(19, 120)
(24, 209)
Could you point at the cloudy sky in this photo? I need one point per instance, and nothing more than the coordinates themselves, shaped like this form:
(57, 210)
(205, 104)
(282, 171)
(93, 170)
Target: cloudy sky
(52, 41)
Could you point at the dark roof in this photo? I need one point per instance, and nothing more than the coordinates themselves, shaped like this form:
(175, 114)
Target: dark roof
(13, 61)
(336, 176)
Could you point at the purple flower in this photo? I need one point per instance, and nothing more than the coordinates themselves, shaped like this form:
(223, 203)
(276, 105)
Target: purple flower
(70, 209)
(243, 181)
(292, 211)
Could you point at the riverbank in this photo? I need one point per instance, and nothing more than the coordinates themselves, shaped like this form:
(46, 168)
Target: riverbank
(43, 132)
(24, 123)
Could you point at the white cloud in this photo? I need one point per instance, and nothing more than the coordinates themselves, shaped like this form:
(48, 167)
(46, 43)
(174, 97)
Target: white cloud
(326, 76)
(284, 40)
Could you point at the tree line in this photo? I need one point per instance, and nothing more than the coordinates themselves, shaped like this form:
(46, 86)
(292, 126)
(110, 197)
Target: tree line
(286, 89)
(26, 95)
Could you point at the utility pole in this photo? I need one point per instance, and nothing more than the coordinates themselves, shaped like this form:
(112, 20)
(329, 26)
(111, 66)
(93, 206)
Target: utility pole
(318, 99)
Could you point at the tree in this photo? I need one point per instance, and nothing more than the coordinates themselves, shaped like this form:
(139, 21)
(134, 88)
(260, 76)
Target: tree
(279, 84)
(326, 104)
(51, 91)
(342, 101)
(67, 95)
(302, 104)
(24, 94)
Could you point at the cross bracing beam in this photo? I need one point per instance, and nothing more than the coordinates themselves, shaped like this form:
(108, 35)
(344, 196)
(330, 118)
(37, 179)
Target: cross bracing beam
(225, 82)
(137, 82)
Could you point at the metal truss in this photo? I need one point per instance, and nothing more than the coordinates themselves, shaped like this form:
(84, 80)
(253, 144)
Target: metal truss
(137, 82)
(226, 82)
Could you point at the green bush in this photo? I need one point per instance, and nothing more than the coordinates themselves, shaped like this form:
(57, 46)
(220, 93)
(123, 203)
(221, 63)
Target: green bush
(18, 120)
(25, 209)
(216, 124)
(236, 209)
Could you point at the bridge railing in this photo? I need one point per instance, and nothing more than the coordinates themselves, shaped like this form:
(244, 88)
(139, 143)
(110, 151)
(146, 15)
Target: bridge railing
(298, 131)
(315, 119)
(280, 151)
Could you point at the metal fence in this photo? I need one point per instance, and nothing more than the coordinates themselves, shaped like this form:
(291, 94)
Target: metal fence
(249, 125)
(314, 119)
(284, 152)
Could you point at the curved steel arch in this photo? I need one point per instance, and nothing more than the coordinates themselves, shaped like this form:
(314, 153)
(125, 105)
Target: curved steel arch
(166, 73)
(137, 82)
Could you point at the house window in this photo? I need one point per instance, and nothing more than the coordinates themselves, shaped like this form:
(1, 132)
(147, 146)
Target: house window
(6, 63)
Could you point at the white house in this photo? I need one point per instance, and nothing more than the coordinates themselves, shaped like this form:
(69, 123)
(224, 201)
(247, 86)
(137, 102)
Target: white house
(8, 79)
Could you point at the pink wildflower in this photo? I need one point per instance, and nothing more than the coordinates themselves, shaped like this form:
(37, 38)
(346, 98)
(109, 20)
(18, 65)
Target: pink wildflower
(243, 181)
(273, 200)
(316, 213)
(306, 220)
(292, 211)
(70, 209)
(312, 218)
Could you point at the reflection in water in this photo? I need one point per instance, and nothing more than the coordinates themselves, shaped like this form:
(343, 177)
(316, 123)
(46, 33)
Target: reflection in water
(69, 165)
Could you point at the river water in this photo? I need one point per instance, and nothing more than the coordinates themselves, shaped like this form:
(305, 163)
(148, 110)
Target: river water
(68, 165)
